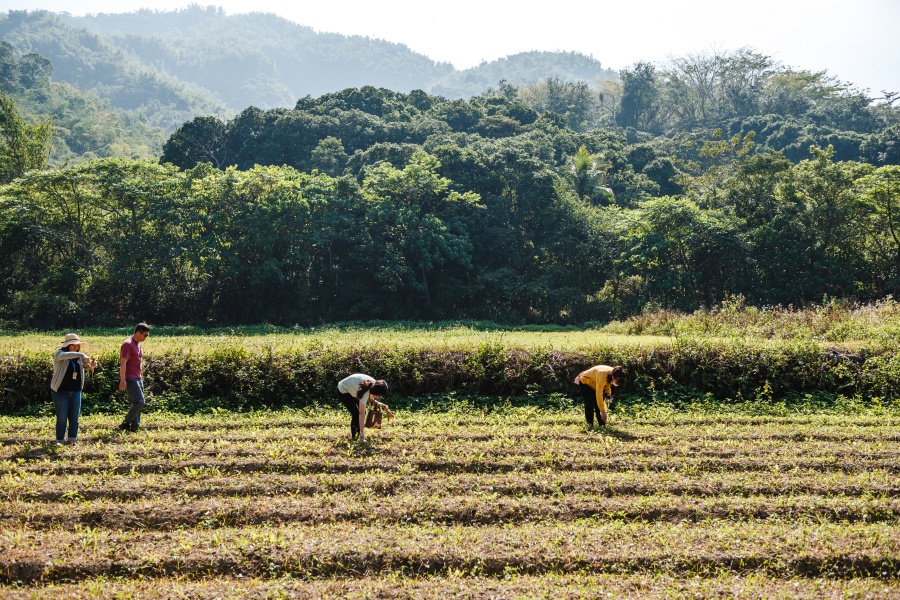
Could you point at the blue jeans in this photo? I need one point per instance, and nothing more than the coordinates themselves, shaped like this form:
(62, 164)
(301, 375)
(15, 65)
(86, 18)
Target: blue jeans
(68, 407)
(135, 390)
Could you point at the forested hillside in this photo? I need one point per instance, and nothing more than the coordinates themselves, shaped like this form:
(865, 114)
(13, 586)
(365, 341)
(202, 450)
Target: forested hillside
(92, 63)
(522, 69)
(266, 61)
(175, 65)
(380, 204)
(557, 200)
(121, 83)
(259, 59)
(84, 125)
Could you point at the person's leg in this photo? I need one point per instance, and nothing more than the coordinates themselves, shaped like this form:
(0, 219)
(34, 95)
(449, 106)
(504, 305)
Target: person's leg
(74, 414)
(141, 403)
(61, 406)
(135, 390)
(588, 395)
(352, 405)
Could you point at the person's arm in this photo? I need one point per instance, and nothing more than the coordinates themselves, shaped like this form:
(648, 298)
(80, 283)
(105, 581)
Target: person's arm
(126, 353)
(122, 363)
(86, 361)
(601, 400)
(124, 357)
(387, 409)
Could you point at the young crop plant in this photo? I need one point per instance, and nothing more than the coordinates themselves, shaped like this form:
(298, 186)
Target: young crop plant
(499, 499)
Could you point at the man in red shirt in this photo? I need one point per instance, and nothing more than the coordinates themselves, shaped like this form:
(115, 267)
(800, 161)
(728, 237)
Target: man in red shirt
(130, 355)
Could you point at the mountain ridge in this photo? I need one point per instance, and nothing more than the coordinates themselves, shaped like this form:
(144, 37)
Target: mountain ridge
(161, 69)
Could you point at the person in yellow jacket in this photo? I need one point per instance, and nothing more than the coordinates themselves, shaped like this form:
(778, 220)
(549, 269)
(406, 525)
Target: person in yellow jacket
(595, 385)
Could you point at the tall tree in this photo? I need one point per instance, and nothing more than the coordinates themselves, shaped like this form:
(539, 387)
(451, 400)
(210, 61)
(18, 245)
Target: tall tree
(203, 139)
(23, 147)
(638, 107)
(419, 225)
(589, 171)
(882, 190)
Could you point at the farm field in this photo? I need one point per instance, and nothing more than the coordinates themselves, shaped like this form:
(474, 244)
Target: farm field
(723, 501)
(846, 325)
(258, 339)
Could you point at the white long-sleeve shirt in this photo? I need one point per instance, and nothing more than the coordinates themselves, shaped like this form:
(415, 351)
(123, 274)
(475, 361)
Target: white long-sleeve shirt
(350, 385)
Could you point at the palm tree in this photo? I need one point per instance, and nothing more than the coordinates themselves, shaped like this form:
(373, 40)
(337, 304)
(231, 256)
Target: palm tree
(590, 171)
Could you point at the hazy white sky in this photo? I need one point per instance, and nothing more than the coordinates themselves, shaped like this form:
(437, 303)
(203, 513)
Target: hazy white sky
(856, 41)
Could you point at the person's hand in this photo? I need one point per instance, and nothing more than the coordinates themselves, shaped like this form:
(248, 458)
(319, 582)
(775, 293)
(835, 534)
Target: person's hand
(387, 411)
(122, 384)
(578, 379)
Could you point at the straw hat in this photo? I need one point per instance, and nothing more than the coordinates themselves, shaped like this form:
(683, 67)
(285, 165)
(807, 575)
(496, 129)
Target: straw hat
(71, 338)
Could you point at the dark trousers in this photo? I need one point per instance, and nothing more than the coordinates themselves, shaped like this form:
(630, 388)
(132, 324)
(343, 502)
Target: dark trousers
(135, 390)
(590, 404)
(352, 405)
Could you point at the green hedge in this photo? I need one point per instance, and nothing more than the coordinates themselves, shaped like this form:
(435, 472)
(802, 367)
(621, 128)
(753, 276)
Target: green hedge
(727, 370)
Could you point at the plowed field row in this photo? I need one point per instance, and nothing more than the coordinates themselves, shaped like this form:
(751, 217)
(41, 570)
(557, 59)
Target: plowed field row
(772, 548)
(29, 487)
(563, 586)
(516, 446)
(486, 509)
(521, 502)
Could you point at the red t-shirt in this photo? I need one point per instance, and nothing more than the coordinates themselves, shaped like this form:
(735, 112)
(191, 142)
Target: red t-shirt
(131, 351)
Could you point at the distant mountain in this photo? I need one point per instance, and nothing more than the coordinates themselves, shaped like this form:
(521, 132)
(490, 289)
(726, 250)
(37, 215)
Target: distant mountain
(260, 59)
(202, 60)
(525, 68)
(95, 63)
(120, 84)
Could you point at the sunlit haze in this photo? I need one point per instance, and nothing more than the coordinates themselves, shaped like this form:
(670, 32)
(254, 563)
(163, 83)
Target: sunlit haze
(855, 42)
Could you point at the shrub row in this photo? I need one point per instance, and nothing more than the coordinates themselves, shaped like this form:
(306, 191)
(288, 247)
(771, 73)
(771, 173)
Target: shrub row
(240, 378)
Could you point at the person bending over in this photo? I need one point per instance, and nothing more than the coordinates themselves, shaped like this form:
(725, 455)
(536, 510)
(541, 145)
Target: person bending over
(354, 392)
(595, 385)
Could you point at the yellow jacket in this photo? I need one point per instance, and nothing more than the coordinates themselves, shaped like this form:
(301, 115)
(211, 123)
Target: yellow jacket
(599, 378)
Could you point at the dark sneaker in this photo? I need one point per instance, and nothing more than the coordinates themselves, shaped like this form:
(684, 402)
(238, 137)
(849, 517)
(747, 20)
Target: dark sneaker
(132, 427)
(124, 426)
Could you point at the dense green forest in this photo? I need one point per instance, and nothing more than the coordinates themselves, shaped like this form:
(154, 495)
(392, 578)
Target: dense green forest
(374, 204)
(85, 125)
(557, 199)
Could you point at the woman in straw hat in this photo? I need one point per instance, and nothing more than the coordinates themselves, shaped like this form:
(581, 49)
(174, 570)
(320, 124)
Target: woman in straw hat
(66, 385)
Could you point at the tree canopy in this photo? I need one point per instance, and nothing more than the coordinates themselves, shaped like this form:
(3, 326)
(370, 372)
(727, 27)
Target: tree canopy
(679, 185)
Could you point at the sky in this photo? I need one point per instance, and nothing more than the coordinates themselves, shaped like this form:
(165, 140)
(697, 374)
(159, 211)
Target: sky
(857, 42)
